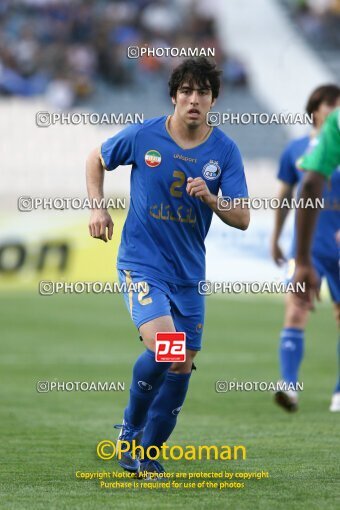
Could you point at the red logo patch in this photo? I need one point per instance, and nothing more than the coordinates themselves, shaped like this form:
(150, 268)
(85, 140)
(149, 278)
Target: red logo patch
(170, 346)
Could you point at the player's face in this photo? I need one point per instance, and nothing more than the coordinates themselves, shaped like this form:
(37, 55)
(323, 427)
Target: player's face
(323, 111)
(192, 103)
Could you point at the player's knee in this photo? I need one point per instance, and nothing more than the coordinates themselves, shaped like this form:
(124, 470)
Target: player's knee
(181, 368)
(337, 314)
(148, 339)
(149, 342)
(186, 366)
(296, 316)
(149, 329)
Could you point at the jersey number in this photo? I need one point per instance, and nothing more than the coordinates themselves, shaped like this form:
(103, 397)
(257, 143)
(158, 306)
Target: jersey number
(178, 183)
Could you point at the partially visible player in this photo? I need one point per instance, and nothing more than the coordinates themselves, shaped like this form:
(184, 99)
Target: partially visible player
(319, 165)
(324, 248)
(179, 163)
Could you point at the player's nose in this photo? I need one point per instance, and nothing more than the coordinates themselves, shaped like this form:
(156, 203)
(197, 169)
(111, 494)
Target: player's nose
(194, 97)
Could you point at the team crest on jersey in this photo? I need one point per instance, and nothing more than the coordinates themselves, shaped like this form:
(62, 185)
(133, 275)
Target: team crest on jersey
(152, 158)
(199, 327)
(211, 170)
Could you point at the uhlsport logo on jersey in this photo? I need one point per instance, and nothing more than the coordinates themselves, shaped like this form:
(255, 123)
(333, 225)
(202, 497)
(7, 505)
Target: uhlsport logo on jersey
(144, 386)
(176, 411)
(153, 158)
(211, 170)
(170, 346)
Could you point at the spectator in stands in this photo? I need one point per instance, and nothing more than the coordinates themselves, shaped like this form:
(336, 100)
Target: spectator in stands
(62, 48)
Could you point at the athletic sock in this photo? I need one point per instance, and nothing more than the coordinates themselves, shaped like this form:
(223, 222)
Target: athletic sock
(147, 377)
(291, 353)
(165, 408)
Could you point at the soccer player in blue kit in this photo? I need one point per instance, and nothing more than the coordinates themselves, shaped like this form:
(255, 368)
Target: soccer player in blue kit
(179, 164)
(325, 251)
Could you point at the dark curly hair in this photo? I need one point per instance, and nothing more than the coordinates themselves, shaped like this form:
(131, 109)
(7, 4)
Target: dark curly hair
(328, 94)
(199, 71)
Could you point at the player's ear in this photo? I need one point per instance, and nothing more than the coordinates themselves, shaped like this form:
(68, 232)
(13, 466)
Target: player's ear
(213, 102)
(173, 99)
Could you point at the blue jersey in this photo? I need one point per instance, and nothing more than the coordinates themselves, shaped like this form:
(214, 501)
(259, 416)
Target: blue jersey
(324, 243)
(165, 229)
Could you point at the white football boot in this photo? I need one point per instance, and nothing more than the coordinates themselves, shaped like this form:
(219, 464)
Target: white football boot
(335, 403)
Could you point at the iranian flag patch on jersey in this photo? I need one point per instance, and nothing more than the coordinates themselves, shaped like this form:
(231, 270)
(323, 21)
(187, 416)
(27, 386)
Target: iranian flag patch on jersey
(153, 158)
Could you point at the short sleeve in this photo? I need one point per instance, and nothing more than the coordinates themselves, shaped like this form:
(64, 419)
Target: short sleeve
(120, 149)
(233, 180)
(287, 171)
(325, 157)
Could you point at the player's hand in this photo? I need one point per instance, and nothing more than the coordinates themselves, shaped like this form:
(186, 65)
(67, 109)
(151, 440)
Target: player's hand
(306, 274)
(101, 225)
(337, 237)
(277, 254)
(198, 188)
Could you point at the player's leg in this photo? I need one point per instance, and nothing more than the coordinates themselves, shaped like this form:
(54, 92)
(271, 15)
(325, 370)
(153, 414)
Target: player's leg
(292, 338)
(147, 374)
(335, 403)
(337, 314)
(291, 349)
(163, 413)
(188, 312)
(332, 276)
(150, 310)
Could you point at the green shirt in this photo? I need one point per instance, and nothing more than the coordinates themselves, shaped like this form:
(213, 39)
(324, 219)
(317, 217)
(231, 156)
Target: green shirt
(325, 157)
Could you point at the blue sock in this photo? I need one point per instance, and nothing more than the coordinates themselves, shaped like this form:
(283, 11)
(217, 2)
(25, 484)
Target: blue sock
(291, 353)
(147, 377)
(163, 413)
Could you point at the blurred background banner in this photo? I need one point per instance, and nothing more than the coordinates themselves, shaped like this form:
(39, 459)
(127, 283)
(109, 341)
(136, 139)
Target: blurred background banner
(71, 56)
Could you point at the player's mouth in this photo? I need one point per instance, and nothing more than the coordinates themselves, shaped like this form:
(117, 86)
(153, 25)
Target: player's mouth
(194, 113)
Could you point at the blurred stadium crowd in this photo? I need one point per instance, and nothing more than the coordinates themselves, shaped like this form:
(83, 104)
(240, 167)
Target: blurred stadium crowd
(62, 48)
(318, 19)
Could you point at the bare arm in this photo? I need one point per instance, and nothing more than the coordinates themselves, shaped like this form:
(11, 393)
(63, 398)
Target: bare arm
(281, 213)
(312, 188)
(100, 220)
(237, 217)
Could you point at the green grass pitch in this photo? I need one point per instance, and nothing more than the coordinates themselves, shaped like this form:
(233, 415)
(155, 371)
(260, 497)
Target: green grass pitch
(47, 437)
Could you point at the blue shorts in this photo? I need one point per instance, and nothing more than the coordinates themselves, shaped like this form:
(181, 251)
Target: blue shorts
(183, 303)
(326, 268)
